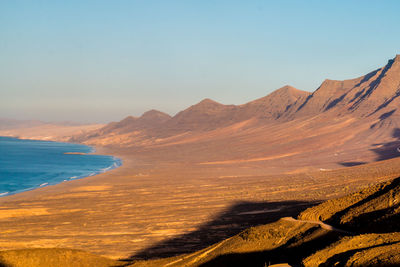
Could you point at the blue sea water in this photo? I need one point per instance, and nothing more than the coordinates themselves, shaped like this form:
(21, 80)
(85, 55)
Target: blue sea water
(29, 164)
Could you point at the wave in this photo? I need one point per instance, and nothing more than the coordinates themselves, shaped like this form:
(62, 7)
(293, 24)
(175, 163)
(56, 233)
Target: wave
(116, 164)
(4, 194)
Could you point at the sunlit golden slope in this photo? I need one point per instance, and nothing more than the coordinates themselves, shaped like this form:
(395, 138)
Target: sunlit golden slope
(361, 229)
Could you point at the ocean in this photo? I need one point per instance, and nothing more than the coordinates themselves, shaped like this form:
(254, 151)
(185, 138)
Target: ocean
(29, 164)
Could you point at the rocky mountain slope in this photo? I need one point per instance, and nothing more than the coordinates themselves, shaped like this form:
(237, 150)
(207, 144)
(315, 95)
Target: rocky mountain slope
(374, 95)
(342, 122)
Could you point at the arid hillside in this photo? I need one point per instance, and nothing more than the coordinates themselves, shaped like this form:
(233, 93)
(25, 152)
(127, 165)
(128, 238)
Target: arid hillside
(361, 229)
(342, 123)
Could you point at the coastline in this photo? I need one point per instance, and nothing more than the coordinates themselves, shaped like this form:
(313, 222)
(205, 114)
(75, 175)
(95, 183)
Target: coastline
(115, 163)
(146, 201)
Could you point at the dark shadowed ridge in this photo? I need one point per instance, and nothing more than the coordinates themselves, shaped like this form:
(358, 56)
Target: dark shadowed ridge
(363, 96)
(230, 222)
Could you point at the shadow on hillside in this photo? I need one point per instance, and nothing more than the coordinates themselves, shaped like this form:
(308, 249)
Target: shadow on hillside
(340, 259)
(228, 223)
(390, 149)
(292, 252)
(306, 244)
(380, 220)
(385, 220)
(292, 255)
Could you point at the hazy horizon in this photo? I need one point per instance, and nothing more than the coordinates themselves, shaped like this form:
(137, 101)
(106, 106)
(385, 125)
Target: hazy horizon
(99, 61)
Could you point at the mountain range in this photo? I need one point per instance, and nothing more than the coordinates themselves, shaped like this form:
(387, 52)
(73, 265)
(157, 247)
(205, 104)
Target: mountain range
(358, 120)
(372, 95)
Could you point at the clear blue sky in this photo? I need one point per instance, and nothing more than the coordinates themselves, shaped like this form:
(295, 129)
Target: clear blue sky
(103, 60)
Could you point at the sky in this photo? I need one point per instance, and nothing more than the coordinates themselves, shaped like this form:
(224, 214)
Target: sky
(100, 61)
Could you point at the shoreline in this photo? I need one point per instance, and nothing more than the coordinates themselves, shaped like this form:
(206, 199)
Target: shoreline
(109, 214)
(151, 201)
(116, 163)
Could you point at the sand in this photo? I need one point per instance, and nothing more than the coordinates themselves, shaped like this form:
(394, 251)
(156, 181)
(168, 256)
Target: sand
(126, 211)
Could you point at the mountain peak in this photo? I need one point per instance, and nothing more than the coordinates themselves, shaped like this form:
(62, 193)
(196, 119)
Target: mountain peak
(153, 118)
(281, 95)
(288, 88)
(393, 61)
(206, 104)
(286, 91)
(275, 104)
(208, 101)
(154, 114)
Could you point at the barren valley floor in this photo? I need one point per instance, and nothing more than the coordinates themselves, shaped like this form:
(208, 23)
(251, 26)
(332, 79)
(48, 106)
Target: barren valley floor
(152, 209)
